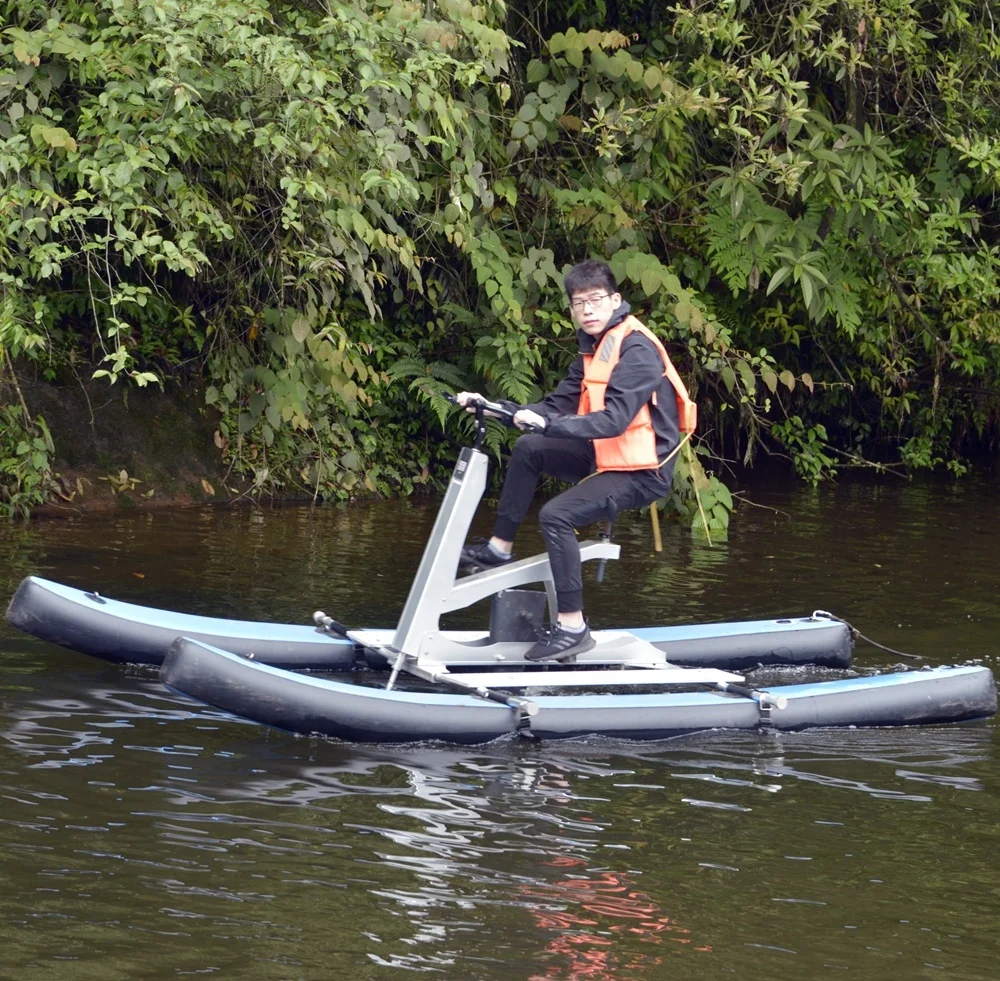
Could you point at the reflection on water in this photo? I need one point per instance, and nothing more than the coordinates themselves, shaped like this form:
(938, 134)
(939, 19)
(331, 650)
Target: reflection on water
(587, 912)
(592, 859)
(147, 836)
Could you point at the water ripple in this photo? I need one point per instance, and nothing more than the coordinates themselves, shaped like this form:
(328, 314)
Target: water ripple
(133, 817)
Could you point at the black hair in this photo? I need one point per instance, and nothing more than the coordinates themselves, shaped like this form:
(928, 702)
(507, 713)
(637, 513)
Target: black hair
(592, 274)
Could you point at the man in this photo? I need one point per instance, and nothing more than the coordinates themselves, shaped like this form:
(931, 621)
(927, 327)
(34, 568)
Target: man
(611, 428)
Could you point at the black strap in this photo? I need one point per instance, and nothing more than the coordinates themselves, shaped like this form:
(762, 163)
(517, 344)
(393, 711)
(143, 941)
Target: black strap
(858, 635)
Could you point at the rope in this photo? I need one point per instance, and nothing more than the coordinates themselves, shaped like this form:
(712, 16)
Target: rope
(654, 516)
(858, 635)
(675, 451)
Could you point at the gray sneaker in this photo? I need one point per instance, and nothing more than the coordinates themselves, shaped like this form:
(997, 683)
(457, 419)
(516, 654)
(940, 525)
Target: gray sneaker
(479, 556)
(556, 643)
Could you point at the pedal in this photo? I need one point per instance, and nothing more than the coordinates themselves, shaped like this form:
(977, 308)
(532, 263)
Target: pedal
(569, 659)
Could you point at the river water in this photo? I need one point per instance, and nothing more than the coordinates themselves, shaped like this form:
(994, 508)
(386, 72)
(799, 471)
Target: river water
(146, 836)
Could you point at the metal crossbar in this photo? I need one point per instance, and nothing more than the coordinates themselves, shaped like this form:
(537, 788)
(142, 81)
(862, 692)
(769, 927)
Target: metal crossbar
(564, 678)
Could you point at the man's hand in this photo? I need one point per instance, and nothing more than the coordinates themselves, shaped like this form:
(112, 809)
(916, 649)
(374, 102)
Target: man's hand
(529, 419)
(469, 399)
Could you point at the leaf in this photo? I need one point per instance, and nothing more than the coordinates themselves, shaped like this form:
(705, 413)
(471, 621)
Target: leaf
(746, 376)
(300, 329)
(56, 136)
(737, 200)
(122, 175)
(807, 290)
(806, 380)
(207, 487)
(778, 278)
(728, 377)
(769, 378)
(787, 378)
(650, 280)
(537, 70)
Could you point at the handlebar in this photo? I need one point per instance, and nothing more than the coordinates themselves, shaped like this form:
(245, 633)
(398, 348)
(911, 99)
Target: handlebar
(503, 413)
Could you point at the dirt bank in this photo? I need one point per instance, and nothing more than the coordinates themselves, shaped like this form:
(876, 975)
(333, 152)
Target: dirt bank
(126, 447)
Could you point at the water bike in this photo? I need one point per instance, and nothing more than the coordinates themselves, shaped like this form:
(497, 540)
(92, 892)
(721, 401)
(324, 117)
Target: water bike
(469, 686)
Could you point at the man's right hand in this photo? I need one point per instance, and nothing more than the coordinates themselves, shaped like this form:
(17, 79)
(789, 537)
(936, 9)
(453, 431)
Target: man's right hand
(530, 420)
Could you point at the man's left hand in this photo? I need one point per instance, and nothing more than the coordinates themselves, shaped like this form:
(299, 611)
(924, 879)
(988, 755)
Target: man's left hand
(529, 419)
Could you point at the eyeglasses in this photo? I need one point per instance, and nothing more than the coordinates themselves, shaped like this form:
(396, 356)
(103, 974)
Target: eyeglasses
(579, 305)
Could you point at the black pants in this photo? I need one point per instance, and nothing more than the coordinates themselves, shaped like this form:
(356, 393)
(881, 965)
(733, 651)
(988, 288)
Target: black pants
(601, 496)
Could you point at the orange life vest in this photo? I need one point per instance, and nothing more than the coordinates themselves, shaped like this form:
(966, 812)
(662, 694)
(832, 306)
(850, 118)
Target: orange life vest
(634, 449)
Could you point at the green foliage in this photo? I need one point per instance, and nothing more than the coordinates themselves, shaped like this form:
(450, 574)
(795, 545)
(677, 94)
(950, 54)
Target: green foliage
(26, 450)
(699, 498)
(329, 215)
(806, 445)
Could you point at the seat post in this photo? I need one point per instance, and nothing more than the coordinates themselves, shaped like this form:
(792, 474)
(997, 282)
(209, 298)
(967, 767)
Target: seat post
(604, 536)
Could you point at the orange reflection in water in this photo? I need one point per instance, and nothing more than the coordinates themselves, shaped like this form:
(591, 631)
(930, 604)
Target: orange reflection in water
(604, 909)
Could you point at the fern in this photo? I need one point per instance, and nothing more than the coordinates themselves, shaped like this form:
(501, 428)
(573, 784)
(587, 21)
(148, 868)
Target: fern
(731, 258)
(450, 374)
(439, 405)
(406, 367)
(498, 437)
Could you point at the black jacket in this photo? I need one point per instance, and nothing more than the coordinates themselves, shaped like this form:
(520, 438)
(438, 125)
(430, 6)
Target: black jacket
(638, 374)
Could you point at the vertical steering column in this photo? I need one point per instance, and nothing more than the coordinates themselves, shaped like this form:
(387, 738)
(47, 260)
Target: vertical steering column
(435, 576)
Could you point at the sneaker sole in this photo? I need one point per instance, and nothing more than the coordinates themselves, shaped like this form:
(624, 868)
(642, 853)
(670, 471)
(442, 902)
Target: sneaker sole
(468, 565)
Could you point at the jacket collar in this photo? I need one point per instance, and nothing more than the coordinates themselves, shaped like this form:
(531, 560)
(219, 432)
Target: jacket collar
(589, 344)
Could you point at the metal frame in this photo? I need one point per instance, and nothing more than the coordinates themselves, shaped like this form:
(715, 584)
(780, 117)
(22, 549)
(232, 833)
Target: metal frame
(436, 591)
(421, 648)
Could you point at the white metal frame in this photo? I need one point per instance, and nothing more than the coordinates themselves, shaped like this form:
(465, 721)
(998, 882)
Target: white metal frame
(420, 647)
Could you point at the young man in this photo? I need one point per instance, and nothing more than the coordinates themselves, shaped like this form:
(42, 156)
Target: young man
(614, 420)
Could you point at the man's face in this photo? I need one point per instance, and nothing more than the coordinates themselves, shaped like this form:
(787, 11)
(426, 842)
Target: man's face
(592, 309)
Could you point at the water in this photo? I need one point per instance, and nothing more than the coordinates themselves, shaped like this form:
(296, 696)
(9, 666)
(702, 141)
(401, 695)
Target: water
(145, 836)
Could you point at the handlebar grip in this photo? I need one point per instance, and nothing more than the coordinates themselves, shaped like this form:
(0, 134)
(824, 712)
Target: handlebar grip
(497, 410)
